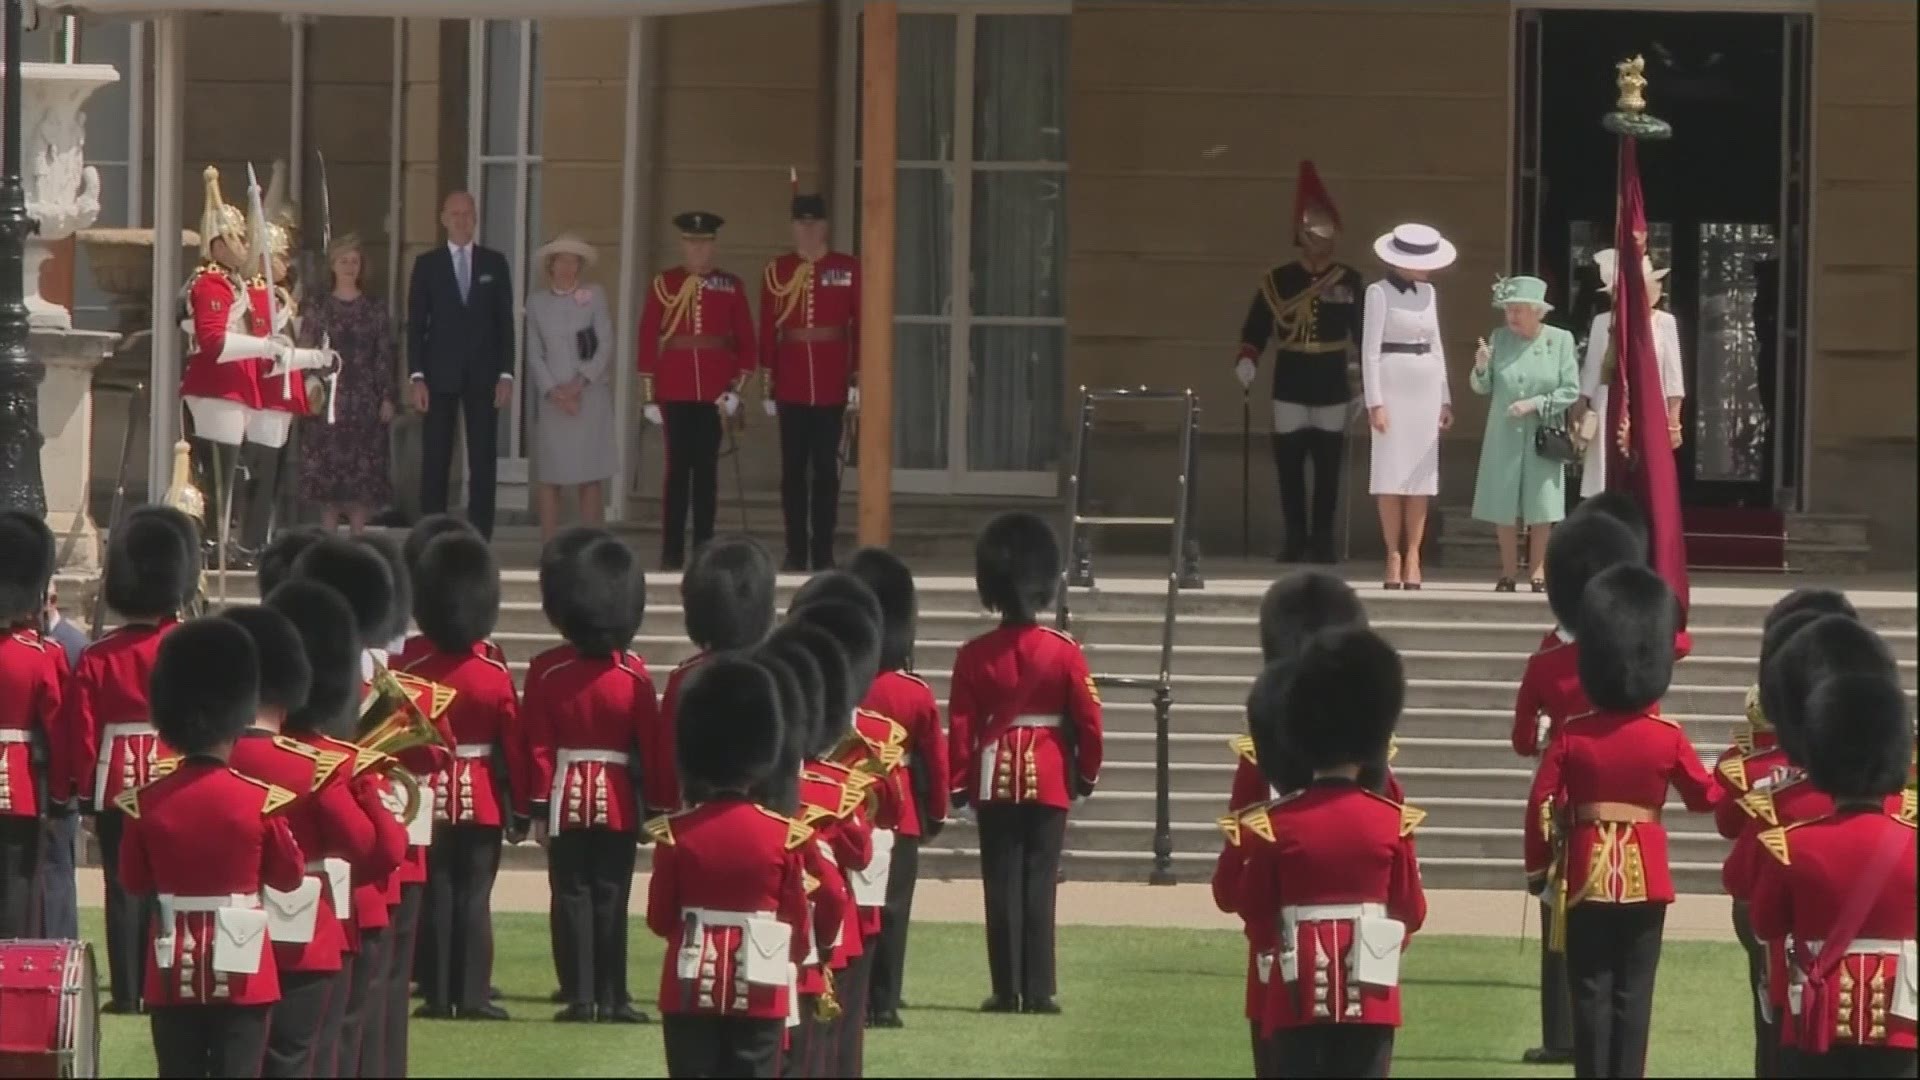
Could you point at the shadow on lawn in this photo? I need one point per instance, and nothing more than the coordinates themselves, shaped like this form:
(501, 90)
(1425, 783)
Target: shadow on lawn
(1481, 984)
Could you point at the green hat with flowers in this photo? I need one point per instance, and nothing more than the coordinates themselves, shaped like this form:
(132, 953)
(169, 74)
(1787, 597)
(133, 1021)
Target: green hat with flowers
(1521, 289)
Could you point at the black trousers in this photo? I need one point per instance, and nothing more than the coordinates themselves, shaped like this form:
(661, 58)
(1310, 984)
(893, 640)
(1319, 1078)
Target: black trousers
(1556, 1000)
(890, 948)
(260, 472)
(209, 1040)
(1766, 1033)
(461, 867)
(799, 1060)
(126, 917)
(722, 1046)
(1613, 954)
(395, 1003)
(1263, 1065)
(593, 875)
(363, 1032)
(1020, 873)
(1296, 454)
(444, 411)
(1866, 1062)
(693, 476)
(810, 480)
(59, 908)
(849, 1036)
(293, 1041)
(560, 937)
(19, 874)
(330, 1059)
(1332, 1050)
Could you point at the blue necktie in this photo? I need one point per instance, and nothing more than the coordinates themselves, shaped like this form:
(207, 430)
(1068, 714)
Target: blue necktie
(460, 271)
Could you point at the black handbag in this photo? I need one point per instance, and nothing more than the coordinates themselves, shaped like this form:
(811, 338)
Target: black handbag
(1552, 441)
(586, 343)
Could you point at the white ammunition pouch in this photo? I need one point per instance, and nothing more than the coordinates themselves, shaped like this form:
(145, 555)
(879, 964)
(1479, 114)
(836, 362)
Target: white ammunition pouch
(1906, 984)
(420, 825)
(339, 877)
(239, 931)
(869, 886)
(291, 915)
(1374, 957)
(766, 944)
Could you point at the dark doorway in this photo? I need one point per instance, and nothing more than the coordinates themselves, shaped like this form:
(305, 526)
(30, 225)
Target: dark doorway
(1725, 206)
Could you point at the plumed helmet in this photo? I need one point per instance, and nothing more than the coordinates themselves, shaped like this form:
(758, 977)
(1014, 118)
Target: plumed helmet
(219, 219)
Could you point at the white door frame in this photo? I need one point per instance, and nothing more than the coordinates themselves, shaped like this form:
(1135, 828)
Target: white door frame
(956, 478)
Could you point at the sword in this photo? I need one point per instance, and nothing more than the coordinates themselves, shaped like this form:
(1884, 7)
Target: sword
(260, 245)
(326, 202)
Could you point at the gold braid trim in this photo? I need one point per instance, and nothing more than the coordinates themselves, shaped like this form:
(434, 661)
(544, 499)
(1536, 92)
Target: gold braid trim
(678, 308)
(793, 292)
(1291, 328)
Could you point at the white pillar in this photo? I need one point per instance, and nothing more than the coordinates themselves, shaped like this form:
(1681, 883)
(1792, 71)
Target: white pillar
(636, 236)
(163, 397)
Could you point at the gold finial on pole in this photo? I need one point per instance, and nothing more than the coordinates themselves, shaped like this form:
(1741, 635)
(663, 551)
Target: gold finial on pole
(1632, 80)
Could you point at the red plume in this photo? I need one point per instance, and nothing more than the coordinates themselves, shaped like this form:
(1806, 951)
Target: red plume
(1310, 193)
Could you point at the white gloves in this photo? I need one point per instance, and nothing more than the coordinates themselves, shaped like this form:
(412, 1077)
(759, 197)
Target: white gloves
(1483, 354)
(1246, 370)
(853, 399)
(293, 359)
(767, 406)
(729, 403)
(1523, 407)
(652, 413)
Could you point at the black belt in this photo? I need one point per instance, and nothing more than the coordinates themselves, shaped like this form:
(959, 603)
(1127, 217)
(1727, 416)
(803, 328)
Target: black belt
(1412, 348)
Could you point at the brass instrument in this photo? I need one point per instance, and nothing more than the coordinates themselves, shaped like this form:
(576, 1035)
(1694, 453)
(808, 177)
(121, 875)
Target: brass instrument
(183, 496)
(392, 722)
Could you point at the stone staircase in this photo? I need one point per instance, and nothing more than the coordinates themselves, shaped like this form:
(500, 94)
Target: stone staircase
(1464, 646)
(1827, 544)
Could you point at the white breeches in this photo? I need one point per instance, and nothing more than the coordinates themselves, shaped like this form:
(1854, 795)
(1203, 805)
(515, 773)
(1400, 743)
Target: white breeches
(1289, 416)
(230, 423)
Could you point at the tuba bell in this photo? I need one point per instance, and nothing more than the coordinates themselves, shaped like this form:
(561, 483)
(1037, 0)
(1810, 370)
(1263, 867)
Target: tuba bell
(183, 496)
(393, 721)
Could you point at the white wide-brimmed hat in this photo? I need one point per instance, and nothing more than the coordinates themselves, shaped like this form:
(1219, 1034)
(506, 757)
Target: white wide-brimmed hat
(1607, 260)
(566, 244)
(1415, 247)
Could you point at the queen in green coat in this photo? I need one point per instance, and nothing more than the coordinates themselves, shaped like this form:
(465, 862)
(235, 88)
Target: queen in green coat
(1530, 370)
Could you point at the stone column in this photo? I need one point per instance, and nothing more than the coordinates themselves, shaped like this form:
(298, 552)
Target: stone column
(66, 422)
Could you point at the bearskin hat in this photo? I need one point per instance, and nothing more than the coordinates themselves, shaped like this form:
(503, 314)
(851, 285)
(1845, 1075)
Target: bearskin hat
(1859, 736)
(1622, 507)
(400, 616)
(1303, 603)
(1344, 699)
(592, 590)
(857, 635)
(1283, 767)
(726, 594)
(779, 789)
(834, 717)
(282, 552)
(1016, 565)
(727, 724)
(1579, 549)
(836, 586)
(358, 574)
(891, 582)
(456, 591)
(1628, 618)
(328, 633)
(426, 531)
(286, 675)
(1819, 648)
(1816, 600)
(153, 563)
(26, 565)
(205, 685)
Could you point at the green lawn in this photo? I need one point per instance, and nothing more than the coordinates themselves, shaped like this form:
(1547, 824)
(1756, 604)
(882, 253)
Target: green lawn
(1138, 1003)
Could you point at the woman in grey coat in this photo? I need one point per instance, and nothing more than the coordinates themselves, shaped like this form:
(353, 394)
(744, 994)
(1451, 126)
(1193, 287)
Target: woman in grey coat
(569, 351)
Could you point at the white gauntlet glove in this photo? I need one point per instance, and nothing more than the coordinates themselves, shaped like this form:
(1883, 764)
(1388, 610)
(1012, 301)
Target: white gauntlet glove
(1245, 370)
(767, 406)
(729, 403)
(652, 414)
(853, 399)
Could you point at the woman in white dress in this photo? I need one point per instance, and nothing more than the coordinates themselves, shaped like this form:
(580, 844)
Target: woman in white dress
(1593, 392)
(1403, 369)
(569, 349)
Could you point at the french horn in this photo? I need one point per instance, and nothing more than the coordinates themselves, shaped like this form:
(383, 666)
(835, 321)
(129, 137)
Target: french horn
(393, 722)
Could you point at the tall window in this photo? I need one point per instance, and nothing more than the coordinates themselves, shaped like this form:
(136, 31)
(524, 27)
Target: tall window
(980, 263)
(504, 164)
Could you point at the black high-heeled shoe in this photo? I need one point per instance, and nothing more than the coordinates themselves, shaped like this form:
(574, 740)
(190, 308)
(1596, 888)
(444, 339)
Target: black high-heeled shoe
(1539, 585)
(1505, 584)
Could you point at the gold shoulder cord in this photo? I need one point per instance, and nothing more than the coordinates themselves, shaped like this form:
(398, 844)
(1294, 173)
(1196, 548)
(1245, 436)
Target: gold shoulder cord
(680, 307)
(1290, 326)
(793, 292)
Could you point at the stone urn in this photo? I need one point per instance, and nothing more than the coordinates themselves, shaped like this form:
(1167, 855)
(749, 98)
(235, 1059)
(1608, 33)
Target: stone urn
(63, 191)
(121, 261)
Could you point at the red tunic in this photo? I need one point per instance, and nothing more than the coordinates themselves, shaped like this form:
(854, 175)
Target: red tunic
(484, 721)
(1753, 762)
(584, 719)
(922, 780)
(218, 304)
(696, 336)
(1604, 760)
(660, 783)
(200, 838)
(1250, 786)
(30, 689)
(373, 872)
(426, 763)
(729, 873)
(829, 906)
(877, 747)
(1551, 688)
(1813, 870)
(1332, 863)
(114, 744)
(810, 327)
(1023, 719)
(832, 798)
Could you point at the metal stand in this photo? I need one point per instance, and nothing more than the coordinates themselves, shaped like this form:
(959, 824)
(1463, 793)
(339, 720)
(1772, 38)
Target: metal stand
(1183, 572)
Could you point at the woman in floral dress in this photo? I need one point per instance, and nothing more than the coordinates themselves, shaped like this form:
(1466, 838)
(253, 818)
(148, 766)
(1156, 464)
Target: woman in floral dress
(343, 463)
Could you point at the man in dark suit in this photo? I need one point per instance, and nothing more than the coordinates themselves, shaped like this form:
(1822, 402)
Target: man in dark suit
(59, 902)
(460, 342)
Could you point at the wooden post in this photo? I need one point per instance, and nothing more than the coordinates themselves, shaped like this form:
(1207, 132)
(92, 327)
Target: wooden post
(879, 79)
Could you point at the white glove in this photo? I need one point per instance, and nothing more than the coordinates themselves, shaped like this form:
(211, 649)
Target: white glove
(853, 399)
(652, 413)
(302, 360)
(1523, 407)
(1483, 354)
(1246, 370)
(729, 403)
(767, 406)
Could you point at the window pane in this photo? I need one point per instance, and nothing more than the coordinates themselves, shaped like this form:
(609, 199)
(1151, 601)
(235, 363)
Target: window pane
(1019, 243)
(926, 103)
(502, 87)
(535, 95)
(922, 360)
(1020, 88)
(923, 245)
(107, 42)
(1014, 379)
(1729, 421)
(499, 197)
